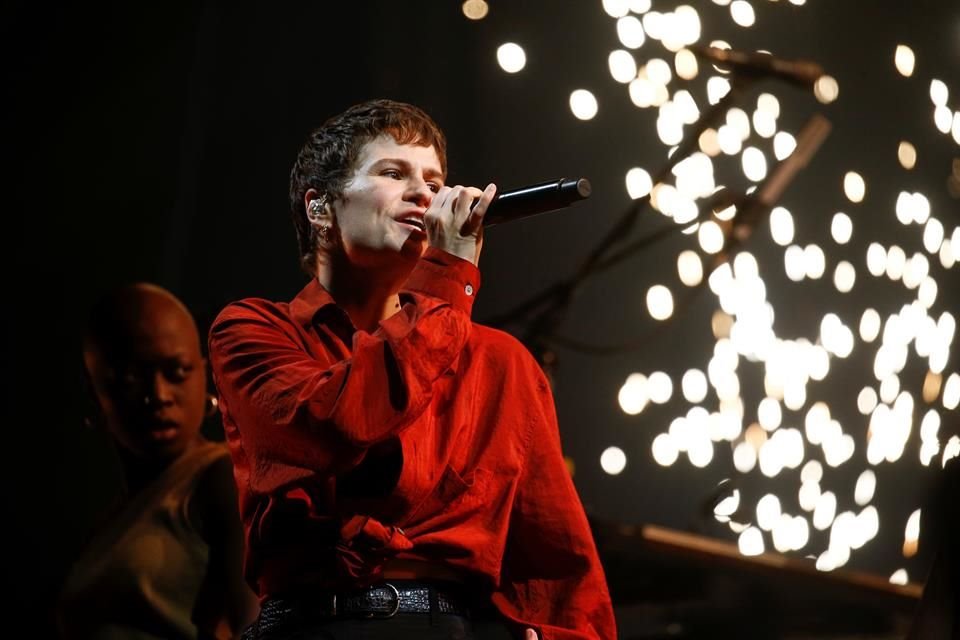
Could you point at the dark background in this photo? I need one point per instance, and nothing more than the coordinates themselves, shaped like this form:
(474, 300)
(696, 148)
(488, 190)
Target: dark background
(152, 141)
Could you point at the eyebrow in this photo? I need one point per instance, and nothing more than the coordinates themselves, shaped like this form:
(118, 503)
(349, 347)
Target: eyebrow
(429, 172)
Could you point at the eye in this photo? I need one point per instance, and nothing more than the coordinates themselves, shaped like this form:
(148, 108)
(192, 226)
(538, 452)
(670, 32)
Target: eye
(433, 186)
(391, 173)
(177, 372)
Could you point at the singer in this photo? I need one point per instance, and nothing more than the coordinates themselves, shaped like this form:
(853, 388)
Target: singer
(399, 467)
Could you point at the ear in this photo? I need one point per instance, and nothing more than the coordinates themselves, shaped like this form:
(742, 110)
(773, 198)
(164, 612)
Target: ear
(92, 412)
(317, 207)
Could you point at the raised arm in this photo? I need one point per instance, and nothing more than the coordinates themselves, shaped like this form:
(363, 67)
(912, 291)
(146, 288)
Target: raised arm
(298, 400)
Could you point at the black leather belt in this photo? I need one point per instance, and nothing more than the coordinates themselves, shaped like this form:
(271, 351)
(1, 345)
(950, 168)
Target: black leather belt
(388, 599)
(383, 600)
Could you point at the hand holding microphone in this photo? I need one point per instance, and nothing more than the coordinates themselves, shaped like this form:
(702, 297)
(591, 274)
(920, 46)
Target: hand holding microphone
(532, 200)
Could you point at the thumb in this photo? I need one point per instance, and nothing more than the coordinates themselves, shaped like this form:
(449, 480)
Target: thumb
(531, 635)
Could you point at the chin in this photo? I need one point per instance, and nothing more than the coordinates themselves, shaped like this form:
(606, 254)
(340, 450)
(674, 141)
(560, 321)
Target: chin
(413, 248)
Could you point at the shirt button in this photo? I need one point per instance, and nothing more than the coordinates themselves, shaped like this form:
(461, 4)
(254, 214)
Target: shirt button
(468, 289)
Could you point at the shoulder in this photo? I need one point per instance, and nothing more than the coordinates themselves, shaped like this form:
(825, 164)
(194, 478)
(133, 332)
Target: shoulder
(252, 309)
(214, 497)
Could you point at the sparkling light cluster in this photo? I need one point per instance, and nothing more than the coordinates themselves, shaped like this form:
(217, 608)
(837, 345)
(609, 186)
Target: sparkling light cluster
(793, 431)
(744, 324)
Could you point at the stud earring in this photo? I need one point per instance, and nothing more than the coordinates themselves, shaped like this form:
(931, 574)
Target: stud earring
(323, 231)
(317, 206)
(212, 406)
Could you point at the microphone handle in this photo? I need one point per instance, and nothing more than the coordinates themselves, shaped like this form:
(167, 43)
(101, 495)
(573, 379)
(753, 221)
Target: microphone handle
(536, 199)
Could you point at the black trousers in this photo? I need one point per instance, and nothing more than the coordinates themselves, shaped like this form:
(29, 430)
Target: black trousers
(296, 620)
(403, 626)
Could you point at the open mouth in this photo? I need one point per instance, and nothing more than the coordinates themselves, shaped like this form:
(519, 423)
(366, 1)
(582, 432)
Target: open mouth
(163, 431)
(414, 222)
(164, 434)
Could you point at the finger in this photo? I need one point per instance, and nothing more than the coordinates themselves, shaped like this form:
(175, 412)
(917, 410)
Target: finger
(440, 198)
(531, 635)
(474, 220)
(435, 214)
(465, 200)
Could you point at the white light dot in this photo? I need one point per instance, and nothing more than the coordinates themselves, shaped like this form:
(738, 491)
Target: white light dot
(685, 62)
(694, 385)
(904, 60)
(744, 457)
(729, 140)
(812, 472)
(769, 414)
(750, 542)
(927, 292)
(869, 325)
(512, 57)
(765, 124)
(768, 511)
(866, 485)
(664, 450)
(933, 235)
(825, 511)
(613, 460)
(754, 164)
(616, 8)
(710, 237)
(630, 32)
(794, 263)
(634, 395)
(815, 261)
(951, 450)
(907, 155)
(943, 118)
(623, 68)
(844, 276)
(658, 71)
(876, 259)
(583, 104)
(639, 183)
(866, 400)
(781, 226)
(826, 89)
(660, 387)
(783, 144)
(841, 228)
(896, 262)
(900, 577)
(659, 302)
(717, 87)
(690, 268)
(475, 9)
(854, 186)
(951, 392)
(939, 92)
(742, 13)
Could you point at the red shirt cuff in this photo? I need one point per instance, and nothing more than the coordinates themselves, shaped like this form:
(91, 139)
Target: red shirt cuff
(442, 275)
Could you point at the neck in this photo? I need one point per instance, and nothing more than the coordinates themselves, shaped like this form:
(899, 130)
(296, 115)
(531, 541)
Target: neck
(138, 472)
(367, 295)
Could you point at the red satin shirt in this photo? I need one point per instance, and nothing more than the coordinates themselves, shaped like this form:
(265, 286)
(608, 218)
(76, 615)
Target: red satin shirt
(432, 438)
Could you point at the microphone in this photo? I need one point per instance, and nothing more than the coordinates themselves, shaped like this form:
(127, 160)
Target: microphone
(759, 64)
(535, 199)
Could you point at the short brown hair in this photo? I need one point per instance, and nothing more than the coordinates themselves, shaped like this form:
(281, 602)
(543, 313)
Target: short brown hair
(327, 158)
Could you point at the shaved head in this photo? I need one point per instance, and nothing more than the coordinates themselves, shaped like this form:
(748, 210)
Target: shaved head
(142, 350)
(122, 316)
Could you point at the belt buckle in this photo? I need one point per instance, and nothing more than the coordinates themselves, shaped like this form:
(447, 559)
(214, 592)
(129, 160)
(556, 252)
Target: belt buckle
(396, 606)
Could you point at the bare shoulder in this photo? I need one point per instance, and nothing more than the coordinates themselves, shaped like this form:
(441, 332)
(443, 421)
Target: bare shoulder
(213, 505)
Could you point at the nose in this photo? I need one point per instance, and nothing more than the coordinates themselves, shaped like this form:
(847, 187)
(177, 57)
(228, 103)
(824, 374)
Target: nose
(419, 192)
(159, 391)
